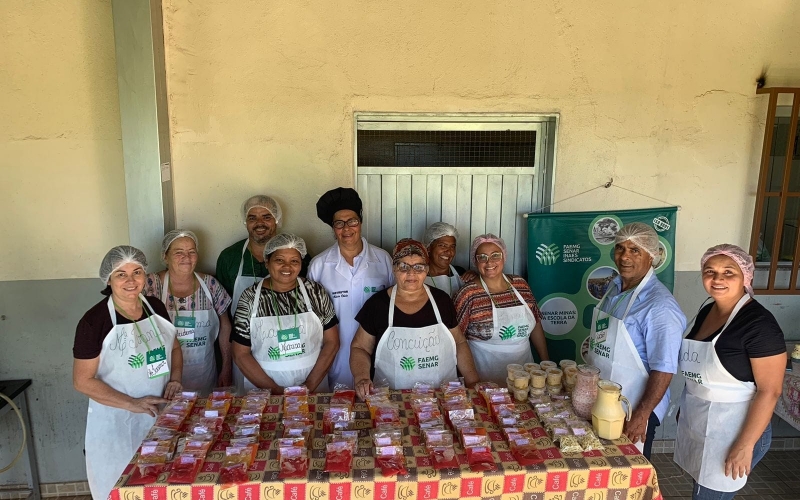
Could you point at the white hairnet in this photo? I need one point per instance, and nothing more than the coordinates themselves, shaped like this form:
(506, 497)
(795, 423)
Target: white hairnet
(439, 230)
(285, 240)
(118, 257)
(172, 236)
(265, 202)
(643, 236)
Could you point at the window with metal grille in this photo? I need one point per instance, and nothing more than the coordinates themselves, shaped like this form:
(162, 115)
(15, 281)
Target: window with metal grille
(447, 148)
(775, 240)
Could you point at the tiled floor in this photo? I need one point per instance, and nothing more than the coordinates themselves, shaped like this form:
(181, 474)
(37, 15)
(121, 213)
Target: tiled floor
(777, 477)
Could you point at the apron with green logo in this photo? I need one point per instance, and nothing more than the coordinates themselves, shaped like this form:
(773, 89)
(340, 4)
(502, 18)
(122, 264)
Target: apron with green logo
(405, 356)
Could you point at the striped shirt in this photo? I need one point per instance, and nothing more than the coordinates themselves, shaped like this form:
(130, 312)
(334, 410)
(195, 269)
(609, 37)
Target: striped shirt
(474, 306)
(288, 303)
(198, 301)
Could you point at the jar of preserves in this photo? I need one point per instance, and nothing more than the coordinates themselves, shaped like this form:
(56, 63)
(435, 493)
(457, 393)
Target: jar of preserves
(584, 394)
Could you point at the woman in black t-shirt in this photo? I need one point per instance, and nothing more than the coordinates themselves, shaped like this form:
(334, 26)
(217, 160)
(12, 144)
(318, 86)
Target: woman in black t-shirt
(409, 333)
(733, 359)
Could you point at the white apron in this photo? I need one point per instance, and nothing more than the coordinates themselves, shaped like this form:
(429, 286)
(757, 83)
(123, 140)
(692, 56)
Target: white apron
(112, 434)
(408, 355)
(197, 342)
(449, 284)
(612, 350)
(286, 347)
(714, 406)
(240, 285)
(510, 341)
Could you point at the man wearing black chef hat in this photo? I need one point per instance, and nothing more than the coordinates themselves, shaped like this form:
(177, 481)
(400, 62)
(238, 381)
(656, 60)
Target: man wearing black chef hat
(351, 270)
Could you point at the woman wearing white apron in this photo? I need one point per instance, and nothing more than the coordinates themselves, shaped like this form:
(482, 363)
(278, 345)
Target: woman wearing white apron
(499, 315)
(440, 240)
(285, 329)
(197, 305)
(409, 333)
(126, 359)
(733, 359)
(636, 332)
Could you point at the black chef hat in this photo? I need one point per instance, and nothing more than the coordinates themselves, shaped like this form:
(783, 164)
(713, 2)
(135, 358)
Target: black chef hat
(335, 200)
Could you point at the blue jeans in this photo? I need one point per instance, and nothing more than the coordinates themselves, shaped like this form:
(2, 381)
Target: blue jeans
(759, 450)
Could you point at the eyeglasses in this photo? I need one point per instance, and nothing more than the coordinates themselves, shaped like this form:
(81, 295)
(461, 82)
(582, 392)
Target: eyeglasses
(494, 257)
(338, 224)
(416, 268)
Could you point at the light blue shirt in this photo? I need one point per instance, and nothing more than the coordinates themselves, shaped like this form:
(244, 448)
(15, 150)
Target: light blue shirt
(655, 324)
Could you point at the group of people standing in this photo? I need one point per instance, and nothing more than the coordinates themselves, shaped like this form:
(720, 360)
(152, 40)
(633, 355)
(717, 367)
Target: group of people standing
(356, 316)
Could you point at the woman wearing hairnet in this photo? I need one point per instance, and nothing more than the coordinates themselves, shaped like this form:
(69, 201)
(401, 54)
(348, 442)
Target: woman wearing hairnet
(440, 239)
(285, 328)
(197, 305)
(636, 332)
(127, 362)
(498, 313)
(734, 360)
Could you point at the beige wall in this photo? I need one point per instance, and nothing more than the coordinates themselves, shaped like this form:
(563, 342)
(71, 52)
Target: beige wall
(63, 192)
(658, 95)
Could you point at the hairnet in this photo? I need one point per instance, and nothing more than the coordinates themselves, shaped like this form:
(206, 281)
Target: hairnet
(172, 236)
(335, 200)
(285, 240)
(486, 238)
(439, 230)
(406, 247)
(739, 256)
(644, 237)
(265, 202)
(118, 257)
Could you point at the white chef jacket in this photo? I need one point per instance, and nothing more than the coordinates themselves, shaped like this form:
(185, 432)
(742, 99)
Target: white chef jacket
(349, 287)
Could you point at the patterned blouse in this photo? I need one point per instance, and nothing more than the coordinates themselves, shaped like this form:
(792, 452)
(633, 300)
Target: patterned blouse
(474, 306)
(197, 301)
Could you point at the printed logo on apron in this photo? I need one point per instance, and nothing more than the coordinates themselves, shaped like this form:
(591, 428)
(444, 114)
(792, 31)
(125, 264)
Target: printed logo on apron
(408, 355)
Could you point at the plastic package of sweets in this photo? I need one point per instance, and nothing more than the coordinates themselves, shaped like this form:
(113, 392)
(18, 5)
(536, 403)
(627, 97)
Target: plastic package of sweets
(234, 465)
(569, 444)
(179, 407)
(293, 458)
(523, 447)
(442, 457)
(474, 436)
(254, 404)
(246, 418)
(335, 413)
(343, 396)
(221, 406)
(590, 442)
(264, 393)
(480, 458)
(152, 459)
(247, 430)
(185, 468)
(228, 392)
(393, 437)
(390, 459)
(338, 456)
(169, 421)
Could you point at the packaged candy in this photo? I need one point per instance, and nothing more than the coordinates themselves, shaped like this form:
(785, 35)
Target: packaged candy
(391, 461)
(207, 425)
(570, 444)
(339, 456)
(222, 393)
(423, 388)
(482, 387)
(387, 437)
(335, 413)
(152, 459)
(190, 396)
(590, 442)
(235, 465)
(480, 459)
(249, 443)
(185, 468)
(293, 462)
(442, 457)
(385, 413)
(179, 407)
(525, 451)
(261, 393)
(198, 447)
(343, 396)
(254, 404)
(296, 390)
(247, 430)
(246, 418)
(160, 434)
(474, 436)
(221, 406)
(170, 421)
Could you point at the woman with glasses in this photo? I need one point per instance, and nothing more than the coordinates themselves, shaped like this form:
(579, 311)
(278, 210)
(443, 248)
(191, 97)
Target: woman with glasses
(351, 271)
(409, 333)
(498, 313)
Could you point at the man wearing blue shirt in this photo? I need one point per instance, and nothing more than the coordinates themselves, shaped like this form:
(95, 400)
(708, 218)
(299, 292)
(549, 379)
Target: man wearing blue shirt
(636, 332)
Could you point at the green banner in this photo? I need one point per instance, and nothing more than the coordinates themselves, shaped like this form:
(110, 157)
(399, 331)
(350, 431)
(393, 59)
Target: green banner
(571, 263)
